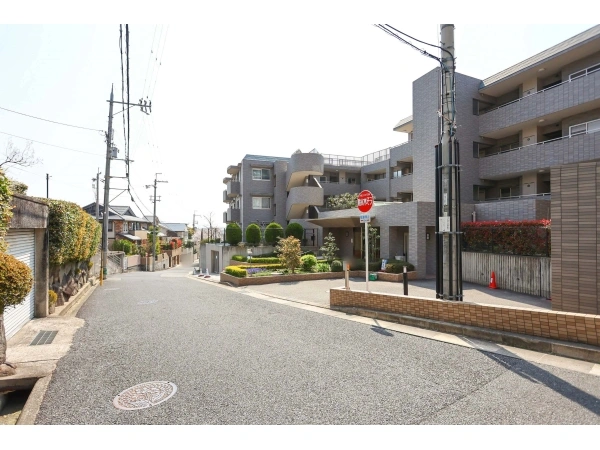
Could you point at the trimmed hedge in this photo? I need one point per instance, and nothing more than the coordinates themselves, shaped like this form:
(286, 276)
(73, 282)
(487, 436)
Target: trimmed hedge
(273, 232)
(374, 266)
(296, 230)
(336, 266)
(261, 260)
(239, 258)
(236, 271)
(525, 237)
(74, 235)
(16, 281)
(253, 234)
(261, 266)
(308, 263)
(233, 234)
(398, 267)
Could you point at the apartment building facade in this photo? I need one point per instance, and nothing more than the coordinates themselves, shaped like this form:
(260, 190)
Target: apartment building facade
(513, 127)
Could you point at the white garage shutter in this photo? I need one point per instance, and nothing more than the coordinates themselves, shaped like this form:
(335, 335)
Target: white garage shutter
(21, 244)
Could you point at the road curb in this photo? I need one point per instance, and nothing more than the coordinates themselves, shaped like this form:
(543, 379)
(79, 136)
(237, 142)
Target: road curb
(34, 402)
(72, 307)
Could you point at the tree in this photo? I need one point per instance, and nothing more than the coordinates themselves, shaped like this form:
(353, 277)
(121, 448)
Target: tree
(329, 248)
(342, 201)
(233, 234)
(19, 157)
(373, 244)
(289, 252)
(16, 281)
(213, 233)
(253, 234)
(296, 230)
(273, 232)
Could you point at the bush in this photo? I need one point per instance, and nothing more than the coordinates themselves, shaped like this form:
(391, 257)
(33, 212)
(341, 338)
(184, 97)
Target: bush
(308, 263)
(294, 229)
(273, 232)
(16, 281)
(236, 271)
(289, 252)
(52, 297)
(239, 258)
(74, 235)
(123, 245)
(336, 266)
(329, 249)
(398, 267)
(374, 266)
(233, 234)
(5, 208)
(526, 237)
(261, 260)
(253, 234)
(323, 267)
(262, 266)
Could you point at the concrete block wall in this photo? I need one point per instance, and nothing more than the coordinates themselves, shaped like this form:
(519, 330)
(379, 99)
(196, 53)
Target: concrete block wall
(518, 209)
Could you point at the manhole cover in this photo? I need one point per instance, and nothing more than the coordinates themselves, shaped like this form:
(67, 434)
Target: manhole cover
(145, 395)
(147, 302)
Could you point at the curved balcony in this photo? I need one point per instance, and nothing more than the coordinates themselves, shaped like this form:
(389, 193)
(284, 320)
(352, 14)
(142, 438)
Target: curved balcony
(232, 215)
(302, 165)
(233, 189)
(302, 197)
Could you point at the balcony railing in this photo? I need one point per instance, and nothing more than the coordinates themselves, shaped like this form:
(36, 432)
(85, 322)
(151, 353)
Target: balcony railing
(359, 161)
(572, 77)
(543, 196)
(511, 148)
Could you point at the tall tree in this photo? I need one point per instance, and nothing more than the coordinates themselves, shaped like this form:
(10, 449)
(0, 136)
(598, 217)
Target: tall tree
(18, 157)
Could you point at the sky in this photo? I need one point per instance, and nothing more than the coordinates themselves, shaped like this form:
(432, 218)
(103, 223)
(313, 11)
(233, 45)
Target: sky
(220, 89)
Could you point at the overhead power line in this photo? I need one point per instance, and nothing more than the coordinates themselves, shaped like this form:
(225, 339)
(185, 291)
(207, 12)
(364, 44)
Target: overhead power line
(52, 121)
(52, 145)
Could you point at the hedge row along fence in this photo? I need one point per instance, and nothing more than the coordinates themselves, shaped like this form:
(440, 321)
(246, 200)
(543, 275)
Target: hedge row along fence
(526, 237)
(5, 208)
(74, 235)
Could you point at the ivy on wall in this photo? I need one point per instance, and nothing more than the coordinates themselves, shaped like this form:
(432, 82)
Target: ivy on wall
(5, 208)
(74, 235)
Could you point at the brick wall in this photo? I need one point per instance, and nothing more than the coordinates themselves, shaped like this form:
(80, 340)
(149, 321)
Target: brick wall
(575, 240)
(573, 327)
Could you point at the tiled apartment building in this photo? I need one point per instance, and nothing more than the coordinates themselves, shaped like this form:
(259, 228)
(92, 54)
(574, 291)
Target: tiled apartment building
(513, 127)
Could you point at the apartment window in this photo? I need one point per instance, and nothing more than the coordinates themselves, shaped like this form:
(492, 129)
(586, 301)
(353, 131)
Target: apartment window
(334, 179)
(351, 180)
(261, 202)
(261, 174)
(323, 179)
(505, 192)
(110, 225)
(376, 176)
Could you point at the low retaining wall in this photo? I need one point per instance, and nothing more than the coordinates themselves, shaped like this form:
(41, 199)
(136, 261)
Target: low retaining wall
(253, 281)
(572, 327)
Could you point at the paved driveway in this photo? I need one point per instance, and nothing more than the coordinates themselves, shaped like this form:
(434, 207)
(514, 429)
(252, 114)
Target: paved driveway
(317, 292)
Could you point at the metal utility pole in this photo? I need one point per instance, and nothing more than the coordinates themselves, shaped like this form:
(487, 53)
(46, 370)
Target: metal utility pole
(109, 136)
(154, 226)
(449, 276)
(47, 185)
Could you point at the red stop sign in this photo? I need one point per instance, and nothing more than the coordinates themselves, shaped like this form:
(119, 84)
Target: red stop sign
(365, 201)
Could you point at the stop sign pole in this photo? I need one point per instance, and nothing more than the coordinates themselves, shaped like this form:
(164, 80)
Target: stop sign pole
(365, 202)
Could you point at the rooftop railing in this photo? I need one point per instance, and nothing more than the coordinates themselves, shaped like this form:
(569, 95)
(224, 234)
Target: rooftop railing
(575, 76)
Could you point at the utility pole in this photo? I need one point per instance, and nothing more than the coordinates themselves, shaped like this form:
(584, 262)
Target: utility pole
(47, 185)
(97, 181)
(155, 231)
(449, 283)
(109, 136)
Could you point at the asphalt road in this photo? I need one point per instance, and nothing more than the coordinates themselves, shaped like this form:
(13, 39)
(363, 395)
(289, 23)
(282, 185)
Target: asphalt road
(237, 359)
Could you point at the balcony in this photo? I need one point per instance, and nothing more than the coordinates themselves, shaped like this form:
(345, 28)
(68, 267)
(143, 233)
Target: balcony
(401, 184)
(340, 188)
(300, 198)
(233, 189)
(570, 97)
(232, 215)
(301, 166)
(401, 152)
(543, 155)
(523, 207)
(225, 198)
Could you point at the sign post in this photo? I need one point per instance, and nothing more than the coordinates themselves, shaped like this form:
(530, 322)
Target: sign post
(365, 202)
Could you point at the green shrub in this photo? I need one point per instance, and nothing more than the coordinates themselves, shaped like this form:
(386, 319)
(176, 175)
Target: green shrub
(336, 266)
(261, 260)
(398, 267)
(236, 271)
(239, 258)
(289, 252)
(253, 234)
(261, 266)
(16, 281)
(308, 263)
(122, 245)
(359, 264)
(323, 267)
(52, 297)
(5, 208)
(233, 234)
(273, 232)
(296, 230)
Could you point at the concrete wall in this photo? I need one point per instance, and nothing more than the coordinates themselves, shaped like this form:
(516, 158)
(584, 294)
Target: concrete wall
(518, 209)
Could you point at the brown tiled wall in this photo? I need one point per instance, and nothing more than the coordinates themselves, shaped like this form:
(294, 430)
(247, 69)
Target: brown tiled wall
(575, 237)
(574, 327)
